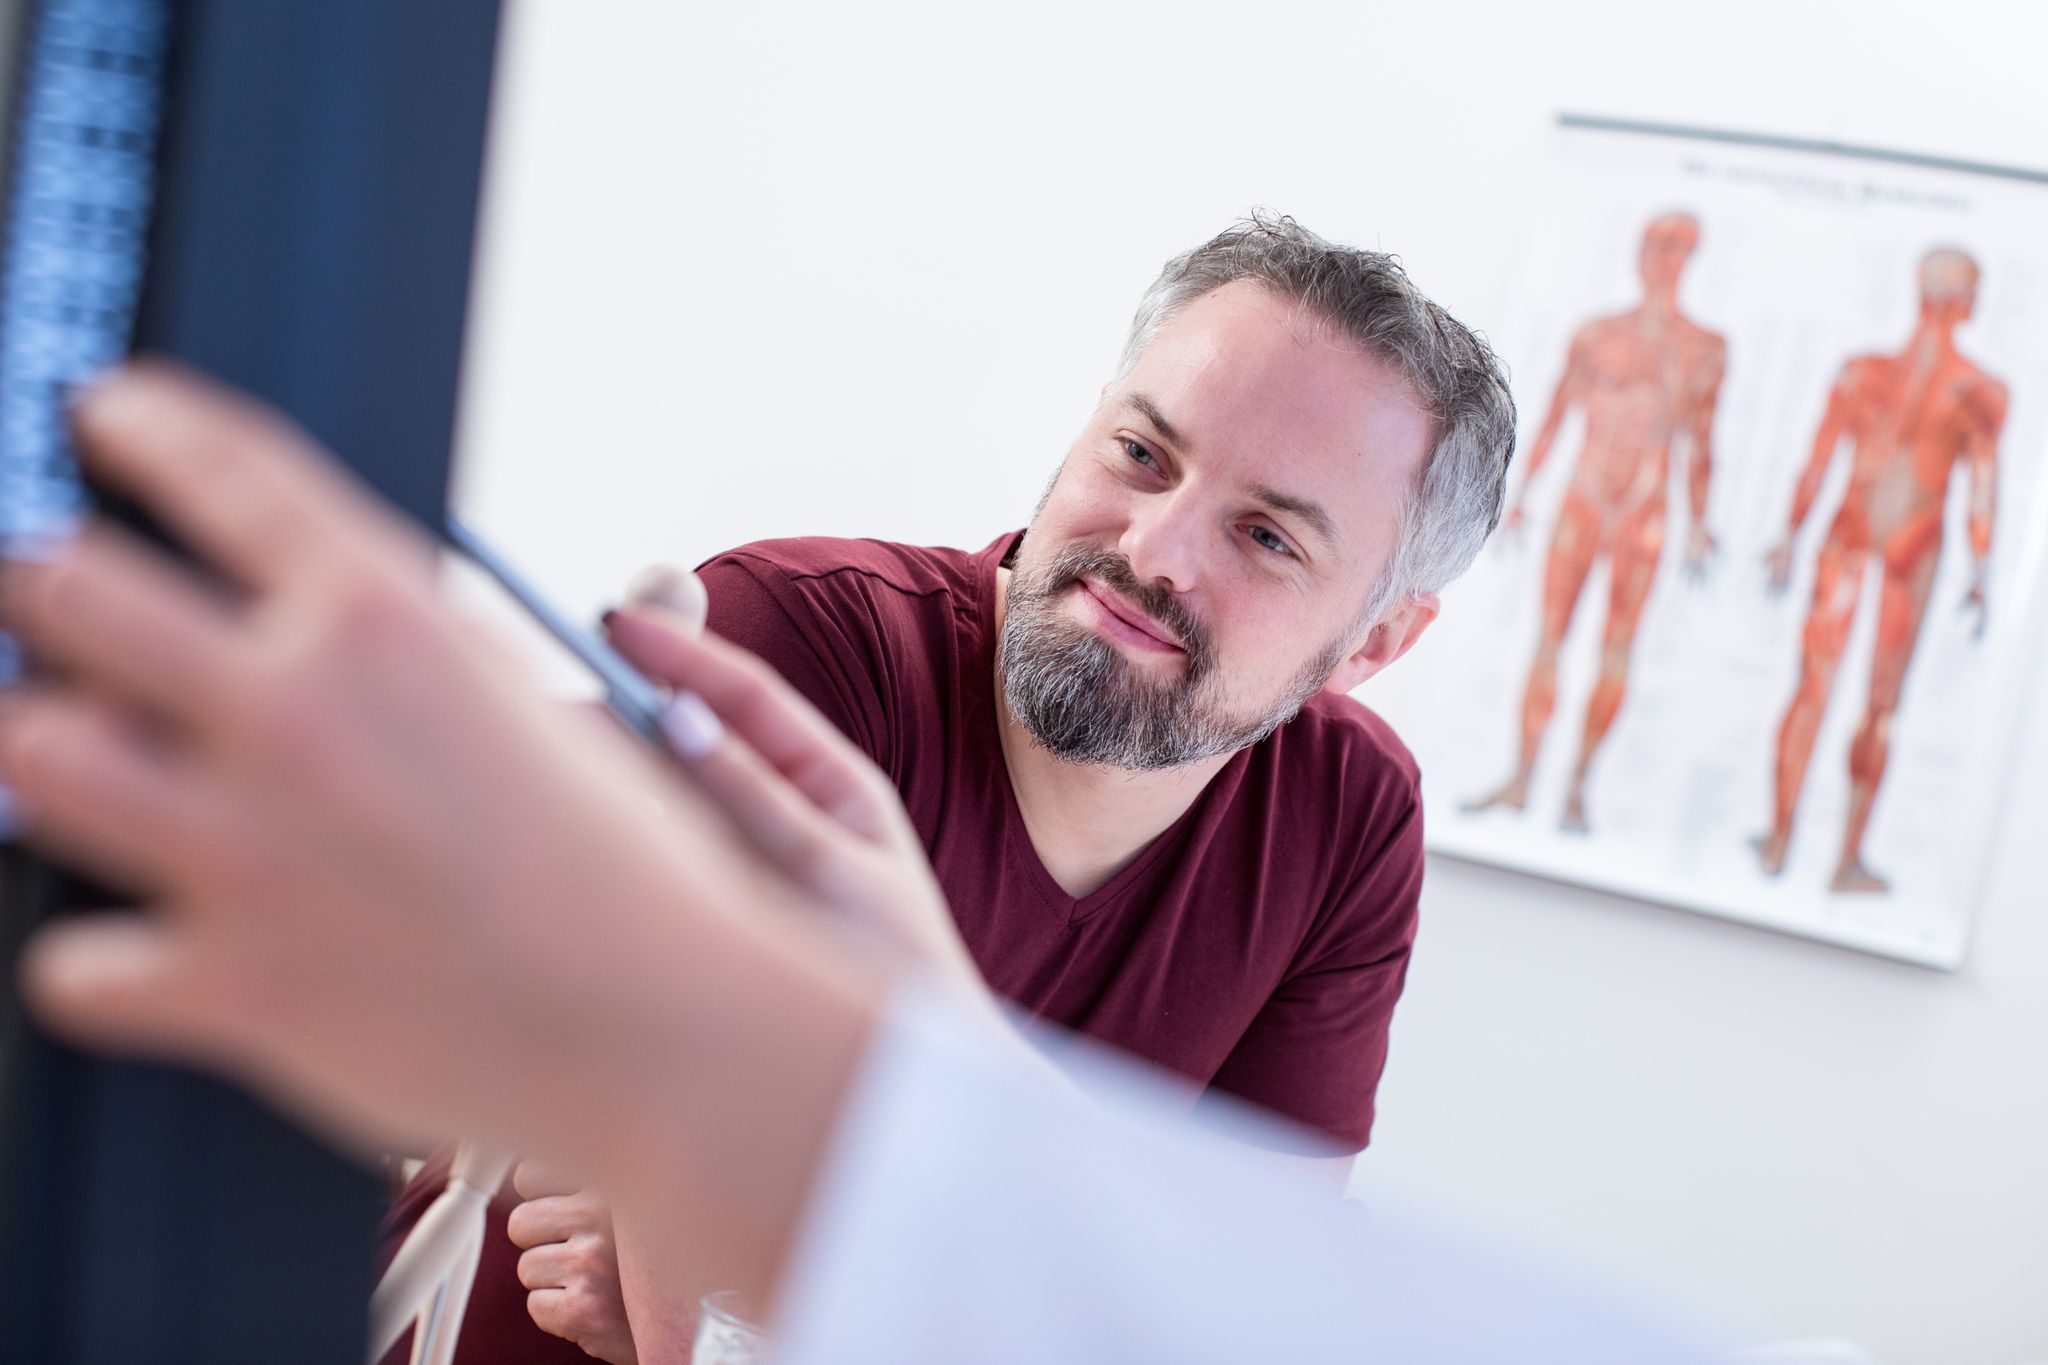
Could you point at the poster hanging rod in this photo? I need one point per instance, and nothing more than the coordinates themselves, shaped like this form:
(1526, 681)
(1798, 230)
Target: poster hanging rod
(1601, 123)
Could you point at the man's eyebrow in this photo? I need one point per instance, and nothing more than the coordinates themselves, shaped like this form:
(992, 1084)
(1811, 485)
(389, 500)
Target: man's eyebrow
(1149, 410)
(1312, 513)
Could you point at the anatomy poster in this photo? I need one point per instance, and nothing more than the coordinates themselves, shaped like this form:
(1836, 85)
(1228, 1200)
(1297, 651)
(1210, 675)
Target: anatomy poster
(1754, 639)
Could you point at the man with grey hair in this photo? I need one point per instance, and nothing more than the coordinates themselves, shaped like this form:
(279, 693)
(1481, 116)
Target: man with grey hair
(1123, 734)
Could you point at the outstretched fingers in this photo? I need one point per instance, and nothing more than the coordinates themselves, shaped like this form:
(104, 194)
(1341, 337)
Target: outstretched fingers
(100, 792)
(100, 795)
(122, 618)
(779, 819)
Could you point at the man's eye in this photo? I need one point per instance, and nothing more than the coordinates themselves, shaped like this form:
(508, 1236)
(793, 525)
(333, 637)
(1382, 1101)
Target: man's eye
(1268, 540)
(1140, 455)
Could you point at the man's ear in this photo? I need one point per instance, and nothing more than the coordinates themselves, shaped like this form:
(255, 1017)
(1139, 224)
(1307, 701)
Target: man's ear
(1395, 634)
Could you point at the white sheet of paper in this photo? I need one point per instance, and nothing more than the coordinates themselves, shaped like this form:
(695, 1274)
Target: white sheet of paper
(974, 1212)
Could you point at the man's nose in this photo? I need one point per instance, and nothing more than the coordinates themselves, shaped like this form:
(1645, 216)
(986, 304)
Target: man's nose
(1163, 542)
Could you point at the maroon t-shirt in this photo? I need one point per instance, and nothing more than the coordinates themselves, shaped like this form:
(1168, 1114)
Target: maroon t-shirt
(1256, 947)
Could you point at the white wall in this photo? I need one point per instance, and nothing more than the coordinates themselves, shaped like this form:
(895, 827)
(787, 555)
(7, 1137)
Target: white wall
(767, 270)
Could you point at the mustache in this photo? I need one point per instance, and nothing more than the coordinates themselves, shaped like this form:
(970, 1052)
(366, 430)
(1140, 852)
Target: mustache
(1076, 562)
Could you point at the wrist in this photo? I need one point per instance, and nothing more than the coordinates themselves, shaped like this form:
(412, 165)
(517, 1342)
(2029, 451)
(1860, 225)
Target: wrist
(763, 1032)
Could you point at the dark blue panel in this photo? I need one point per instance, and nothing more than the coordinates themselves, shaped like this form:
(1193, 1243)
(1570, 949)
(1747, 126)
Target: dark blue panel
(311, 242)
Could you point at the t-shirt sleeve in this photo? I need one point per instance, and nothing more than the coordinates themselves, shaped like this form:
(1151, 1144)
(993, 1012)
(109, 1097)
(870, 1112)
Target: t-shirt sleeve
(802, 629)
(1315, 1050)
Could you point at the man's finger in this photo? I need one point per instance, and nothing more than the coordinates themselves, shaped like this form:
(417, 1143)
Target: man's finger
(537, 1179)
(548, 1265)
(563, 1313)
(122, 614)
(237, 484)
(550, 1218)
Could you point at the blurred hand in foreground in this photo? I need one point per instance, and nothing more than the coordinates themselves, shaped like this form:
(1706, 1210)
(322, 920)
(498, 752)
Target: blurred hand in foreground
(385, 880)
(818, 810)
(802, 793)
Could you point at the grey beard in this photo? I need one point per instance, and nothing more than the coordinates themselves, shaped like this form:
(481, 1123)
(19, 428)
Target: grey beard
(1085, 703)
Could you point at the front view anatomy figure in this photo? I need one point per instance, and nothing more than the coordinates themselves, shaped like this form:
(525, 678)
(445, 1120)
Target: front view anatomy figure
(1909, 418)
(1645, 378)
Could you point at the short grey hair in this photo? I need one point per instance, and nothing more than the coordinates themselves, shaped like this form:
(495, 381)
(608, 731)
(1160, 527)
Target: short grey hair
(1369, 298)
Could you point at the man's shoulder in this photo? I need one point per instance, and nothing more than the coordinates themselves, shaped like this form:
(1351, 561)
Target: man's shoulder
(1338, 767)
(1860, 372)
(873, 633)
(870, 565)
(1982, 395)
(1703, 345)
(1342, 732)
(1607, 326)
(1342, 796)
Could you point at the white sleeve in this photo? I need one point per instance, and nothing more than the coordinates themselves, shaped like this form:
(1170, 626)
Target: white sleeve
(971, 1211)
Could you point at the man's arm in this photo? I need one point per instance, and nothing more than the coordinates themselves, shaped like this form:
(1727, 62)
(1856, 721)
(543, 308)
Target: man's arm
(1834, 421)
(1570, 391)
(1315, 1051)
(1699, 455)
(1985, 420)
(807, 639)
(1314, 1055)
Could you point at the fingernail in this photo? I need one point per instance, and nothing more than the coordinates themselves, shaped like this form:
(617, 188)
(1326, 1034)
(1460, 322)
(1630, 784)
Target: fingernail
(669, 589)
(693, 730)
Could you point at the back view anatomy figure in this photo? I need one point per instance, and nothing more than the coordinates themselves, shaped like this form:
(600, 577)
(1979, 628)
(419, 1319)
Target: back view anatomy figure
(1645, 378)
(1910, 418)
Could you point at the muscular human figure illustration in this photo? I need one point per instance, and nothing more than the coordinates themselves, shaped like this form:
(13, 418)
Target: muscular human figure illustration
(1644, 378)
(1909, 417)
